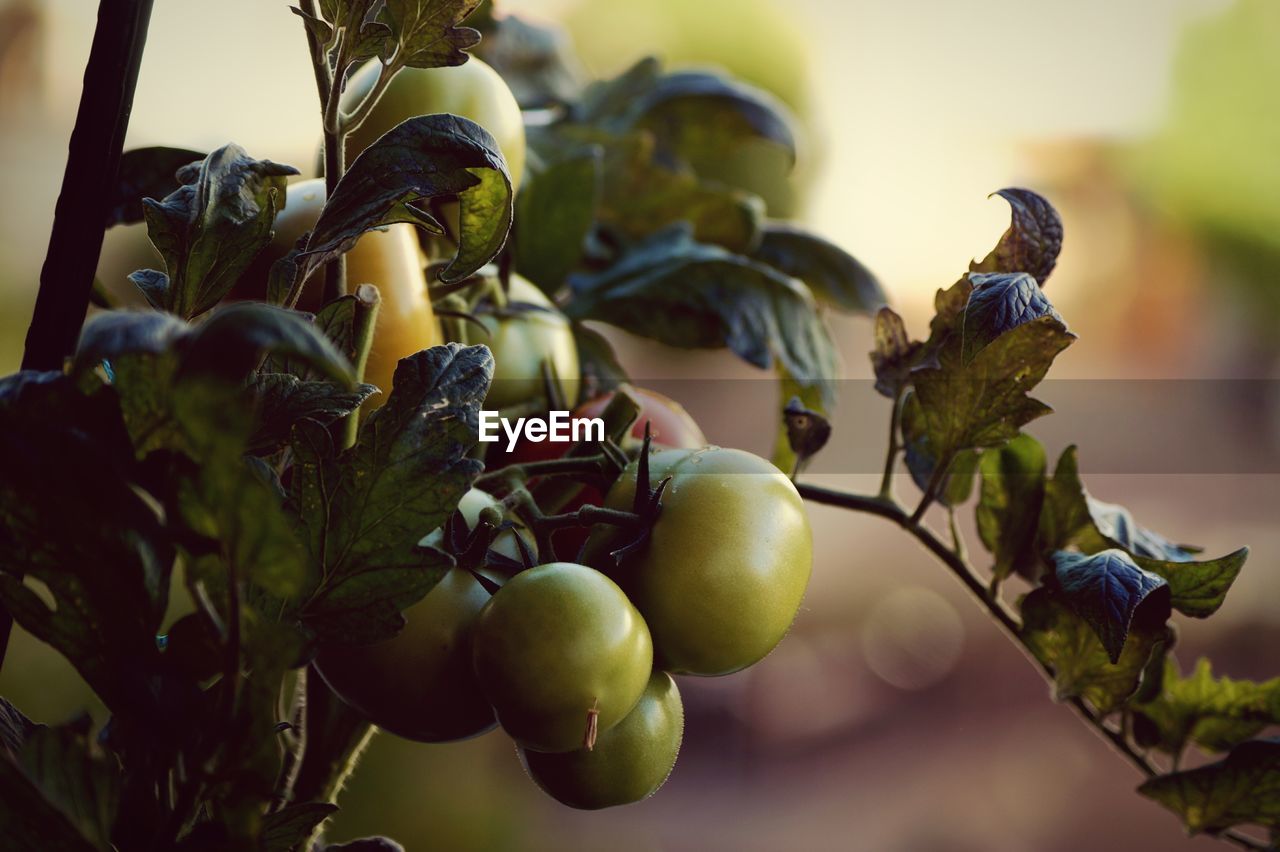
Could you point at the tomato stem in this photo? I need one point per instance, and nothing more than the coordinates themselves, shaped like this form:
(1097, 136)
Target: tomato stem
(1004, 617)
(367, 303)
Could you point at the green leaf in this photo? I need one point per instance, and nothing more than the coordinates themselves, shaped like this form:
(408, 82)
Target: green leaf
(641, 197)
(1071, 517)
(983, 402)
(15, 727)
(960, 477)
(146, 173)
(1034, 238)
(1198, 588)
(287, 829)
(363, 513)
(1107, 589)
(1009, 507)
(75, 778)
(234, 339)
(1081, 666)
(537, 62)
(28, 821)
(284, 399)
(210, 229)
(108, 335)
(1243, 788)
(836, 278)
(998, 303)
(556, 209)
(597, 362)
(895, 355)
(688, 294)
(425, 33)
(428, 156)
(108, 583)
(1214, 713)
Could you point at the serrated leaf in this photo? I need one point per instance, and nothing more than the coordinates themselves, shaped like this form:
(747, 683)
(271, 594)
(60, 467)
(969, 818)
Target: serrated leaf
(284, 399)
(1081, 666)
(998, 303)
(210, 229)
(555, 210)
(1243, 788)
(837, 278)
(1215, 713)
(319, 28)
(426, 32)
(146, 173)
(1009, 507)
(984, 403)
(75, 778)
(287, 829)
(1107, 589)
(696, 111)
(688, 294)
(1071, 517)
(429, 155)
(363, 513)
(895, 354)
(1033, 241)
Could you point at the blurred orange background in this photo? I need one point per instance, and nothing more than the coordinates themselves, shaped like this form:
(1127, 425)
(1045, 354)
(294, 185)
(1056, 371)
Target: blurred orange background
(894, 717)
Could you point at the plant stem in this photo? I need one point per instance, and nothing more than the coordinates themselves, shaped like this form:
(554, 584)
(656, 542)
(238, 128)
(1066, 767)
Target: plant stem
(329, 89)
(88, 185)
(334, 735)
(367, 303)
(550, 467)
(587, 516)
(891, 457)
(1002, 615)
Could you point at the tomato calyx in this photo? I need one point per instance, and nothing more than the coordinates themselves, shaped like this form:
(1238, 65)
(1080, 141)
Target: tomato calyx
(647, 504)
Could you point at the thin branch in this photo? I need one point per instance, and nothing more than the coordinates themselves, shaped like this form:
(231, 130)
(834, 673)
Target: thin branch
(891, 457)
(1003, 616)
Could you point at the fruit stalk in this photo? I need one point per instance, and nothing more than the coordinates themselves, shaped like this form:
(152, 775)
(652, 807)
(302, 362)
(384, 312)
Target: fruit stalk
(335, 280)
(88, 187)
(368, 301)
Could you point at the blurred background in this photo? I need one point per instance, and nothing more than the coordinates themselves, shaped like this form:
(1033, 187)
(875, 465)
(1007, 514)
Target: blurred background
(894, 717)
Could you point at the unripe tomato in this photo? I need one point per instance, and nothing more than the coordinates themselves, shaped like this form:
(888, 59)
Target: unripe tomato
(556, 644)
(521, 340)
(726, 566)
(420, 684)
(389, 259)
(472, 90)
(630, 761)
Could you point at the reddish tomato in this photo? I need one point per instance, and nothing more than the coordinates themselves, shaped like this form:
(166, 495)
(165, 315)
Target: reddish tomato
(672, 428)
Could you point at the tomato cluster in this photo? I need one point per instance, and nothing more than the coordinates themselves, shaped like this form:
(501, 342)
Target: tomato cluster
(572, 659)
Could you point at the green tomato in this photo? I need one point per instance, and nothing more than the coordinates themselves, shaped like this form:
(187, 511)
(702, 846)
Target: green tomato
(420, 684)
(521, 341)
(556, 645)
(725, 569)
(472, 90)
(630, 761)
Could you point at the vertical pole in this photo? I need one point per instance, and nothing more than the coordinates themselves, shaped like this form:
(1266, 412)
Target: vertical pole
(88, 186)
(89, 182)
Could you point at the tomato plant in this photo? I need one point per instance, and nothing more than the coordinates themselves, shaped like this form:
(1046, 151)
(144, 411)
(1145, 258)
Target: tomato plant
(355, 564)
